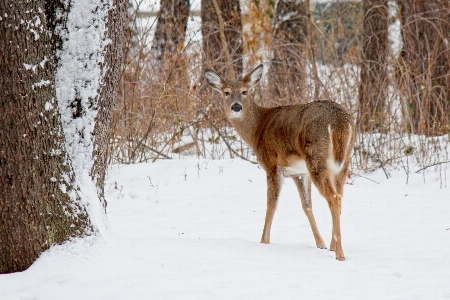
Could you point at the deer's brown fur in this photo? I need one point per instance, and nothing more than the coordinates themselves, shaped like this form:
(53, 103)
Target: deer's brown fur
(308, 142)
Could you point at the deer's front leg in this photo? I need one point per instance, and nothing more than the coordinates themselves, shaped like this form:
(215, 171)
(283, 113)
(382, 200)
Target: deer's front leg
(274, 182)
(304, 189)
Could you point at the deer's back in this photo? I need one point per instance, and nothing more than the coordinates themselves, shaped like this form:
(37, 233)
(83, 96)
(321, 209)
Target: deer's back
(291, 133)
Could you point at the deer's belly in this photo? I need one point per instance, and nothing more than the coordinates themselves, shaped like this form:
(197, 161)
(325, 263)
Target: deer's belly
(296, 168)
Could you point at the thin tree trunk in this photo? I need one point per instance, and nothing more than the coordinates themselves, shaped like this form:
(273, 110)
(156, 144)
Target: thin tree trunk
(213, 48)
(290, 35)
(221, 24)
(374, 77)
(170, 30)
(424, 71)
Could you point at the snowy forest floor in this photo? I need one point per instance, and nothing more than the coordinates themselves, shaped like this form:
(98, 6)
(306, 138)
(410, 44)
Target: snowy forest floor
(190, 229)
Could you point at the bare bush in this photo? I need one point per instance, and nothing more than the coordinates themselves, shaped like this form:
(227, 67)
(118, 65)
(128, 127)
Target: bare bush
(161, 112)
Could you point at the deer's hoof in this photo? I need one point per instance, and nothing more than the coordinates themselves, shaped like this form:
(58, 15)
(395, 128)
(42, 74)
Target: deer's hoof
(340, 257)
(321, 246)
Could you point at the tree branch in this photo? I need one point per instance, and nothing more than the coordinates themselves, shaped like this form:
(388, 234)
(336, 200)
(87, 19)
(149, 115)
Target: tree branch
(438, 163)
(226, 142)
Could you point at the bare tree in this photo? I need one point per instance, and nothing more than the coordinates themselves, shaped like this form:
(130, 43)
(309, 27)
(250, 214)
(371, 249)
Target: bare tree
(40, 195)
(374, 77)
(424, 71)
(290, 36)
(222, 36)
(222, 50)
(170, 29)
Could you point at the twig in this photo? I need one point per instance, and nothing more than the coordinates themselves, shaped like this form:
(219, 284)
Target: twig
(226, 142)
(158, 152)
(150, 126)
(171, 139)
(160, 97)
(232, 150)
(164, 147)
(367, 179)
(381, 163)
(438, 163)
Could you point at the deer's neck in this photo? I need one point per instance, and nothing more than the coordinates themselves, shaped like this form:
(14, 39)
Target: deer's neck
(247, 126)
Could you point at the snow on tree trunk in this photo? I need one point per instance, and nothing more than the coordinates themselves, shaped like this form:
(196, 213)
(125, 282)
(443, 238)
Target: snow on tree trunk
(82, 76)
(111, 72)
(78, 81)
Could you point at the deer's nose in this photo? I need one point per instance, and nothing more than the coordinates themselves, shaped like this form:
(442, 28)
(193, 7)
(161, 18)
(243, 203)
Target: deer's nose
(236, 107)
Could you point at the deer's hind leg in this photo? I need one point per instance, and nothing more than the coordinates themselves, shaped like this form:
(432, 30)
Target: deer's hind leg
(327, 185)
(339, 183)
(304, 189)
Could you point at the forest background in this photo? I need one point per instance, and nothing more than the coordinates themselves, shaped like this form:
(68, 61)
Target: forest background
(68, 108)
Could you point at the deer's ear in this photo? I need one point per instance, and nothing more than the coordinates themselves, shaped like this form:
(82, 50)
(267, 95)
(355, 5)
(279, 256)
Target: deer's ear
(254, 77)
(214, 80)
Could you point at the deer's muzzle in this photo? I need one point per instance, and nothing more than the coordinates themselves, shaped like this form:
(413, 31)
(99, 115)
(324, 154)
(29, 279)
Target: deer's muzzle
(236, 107)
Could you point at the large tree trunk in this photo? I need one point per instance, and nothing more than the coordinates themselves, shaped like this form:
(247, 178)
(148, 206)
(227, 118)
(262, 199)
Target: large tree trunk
(374, 78)
(47, 121)
(222, 25)
(288, 66)
(424, 71)
(38, 204)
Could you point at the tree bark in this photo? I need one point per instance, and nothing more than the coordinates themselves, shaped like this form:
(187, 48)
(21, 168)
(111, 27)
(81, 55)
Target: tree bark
(112, 71)
(374, 77)
(170, 29)
(38, 204)
(44, 101)
(424, 71)
(290, 35)
(221, 25)
(229, 12)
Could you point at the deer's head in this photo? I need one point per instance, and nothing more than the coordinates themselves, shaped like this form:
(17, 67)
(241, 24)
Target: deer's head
(235, 92)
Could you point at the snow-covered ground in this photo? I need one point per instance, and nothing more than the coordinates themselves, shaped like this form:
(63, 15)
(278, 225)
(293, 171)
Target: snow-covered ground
(190, 228)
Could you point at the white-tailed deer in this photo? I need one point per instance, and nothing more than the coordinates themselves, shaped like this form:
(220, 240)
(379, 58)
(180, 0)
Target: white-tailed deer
(308, 142)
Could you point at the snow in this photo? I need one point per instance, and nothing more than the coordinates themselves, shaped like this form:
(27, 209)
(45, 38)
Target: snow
(78, 80)
(394, 32)
(189, 228)
(40, 84)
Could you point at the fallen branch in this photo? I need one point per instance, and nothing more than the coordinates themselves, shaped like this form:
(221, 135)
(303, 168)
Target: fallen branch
(438, 163)
(159, 153)
(367, 178)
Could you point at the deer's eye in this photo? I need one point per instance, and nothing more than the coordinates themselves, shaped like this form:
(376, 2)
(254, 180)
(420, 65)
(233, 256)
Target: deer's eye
(244, 93)
(227, 94)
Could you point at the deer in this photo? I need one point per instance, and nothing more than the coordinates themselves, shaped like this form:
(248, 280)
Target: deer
(308, 142)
